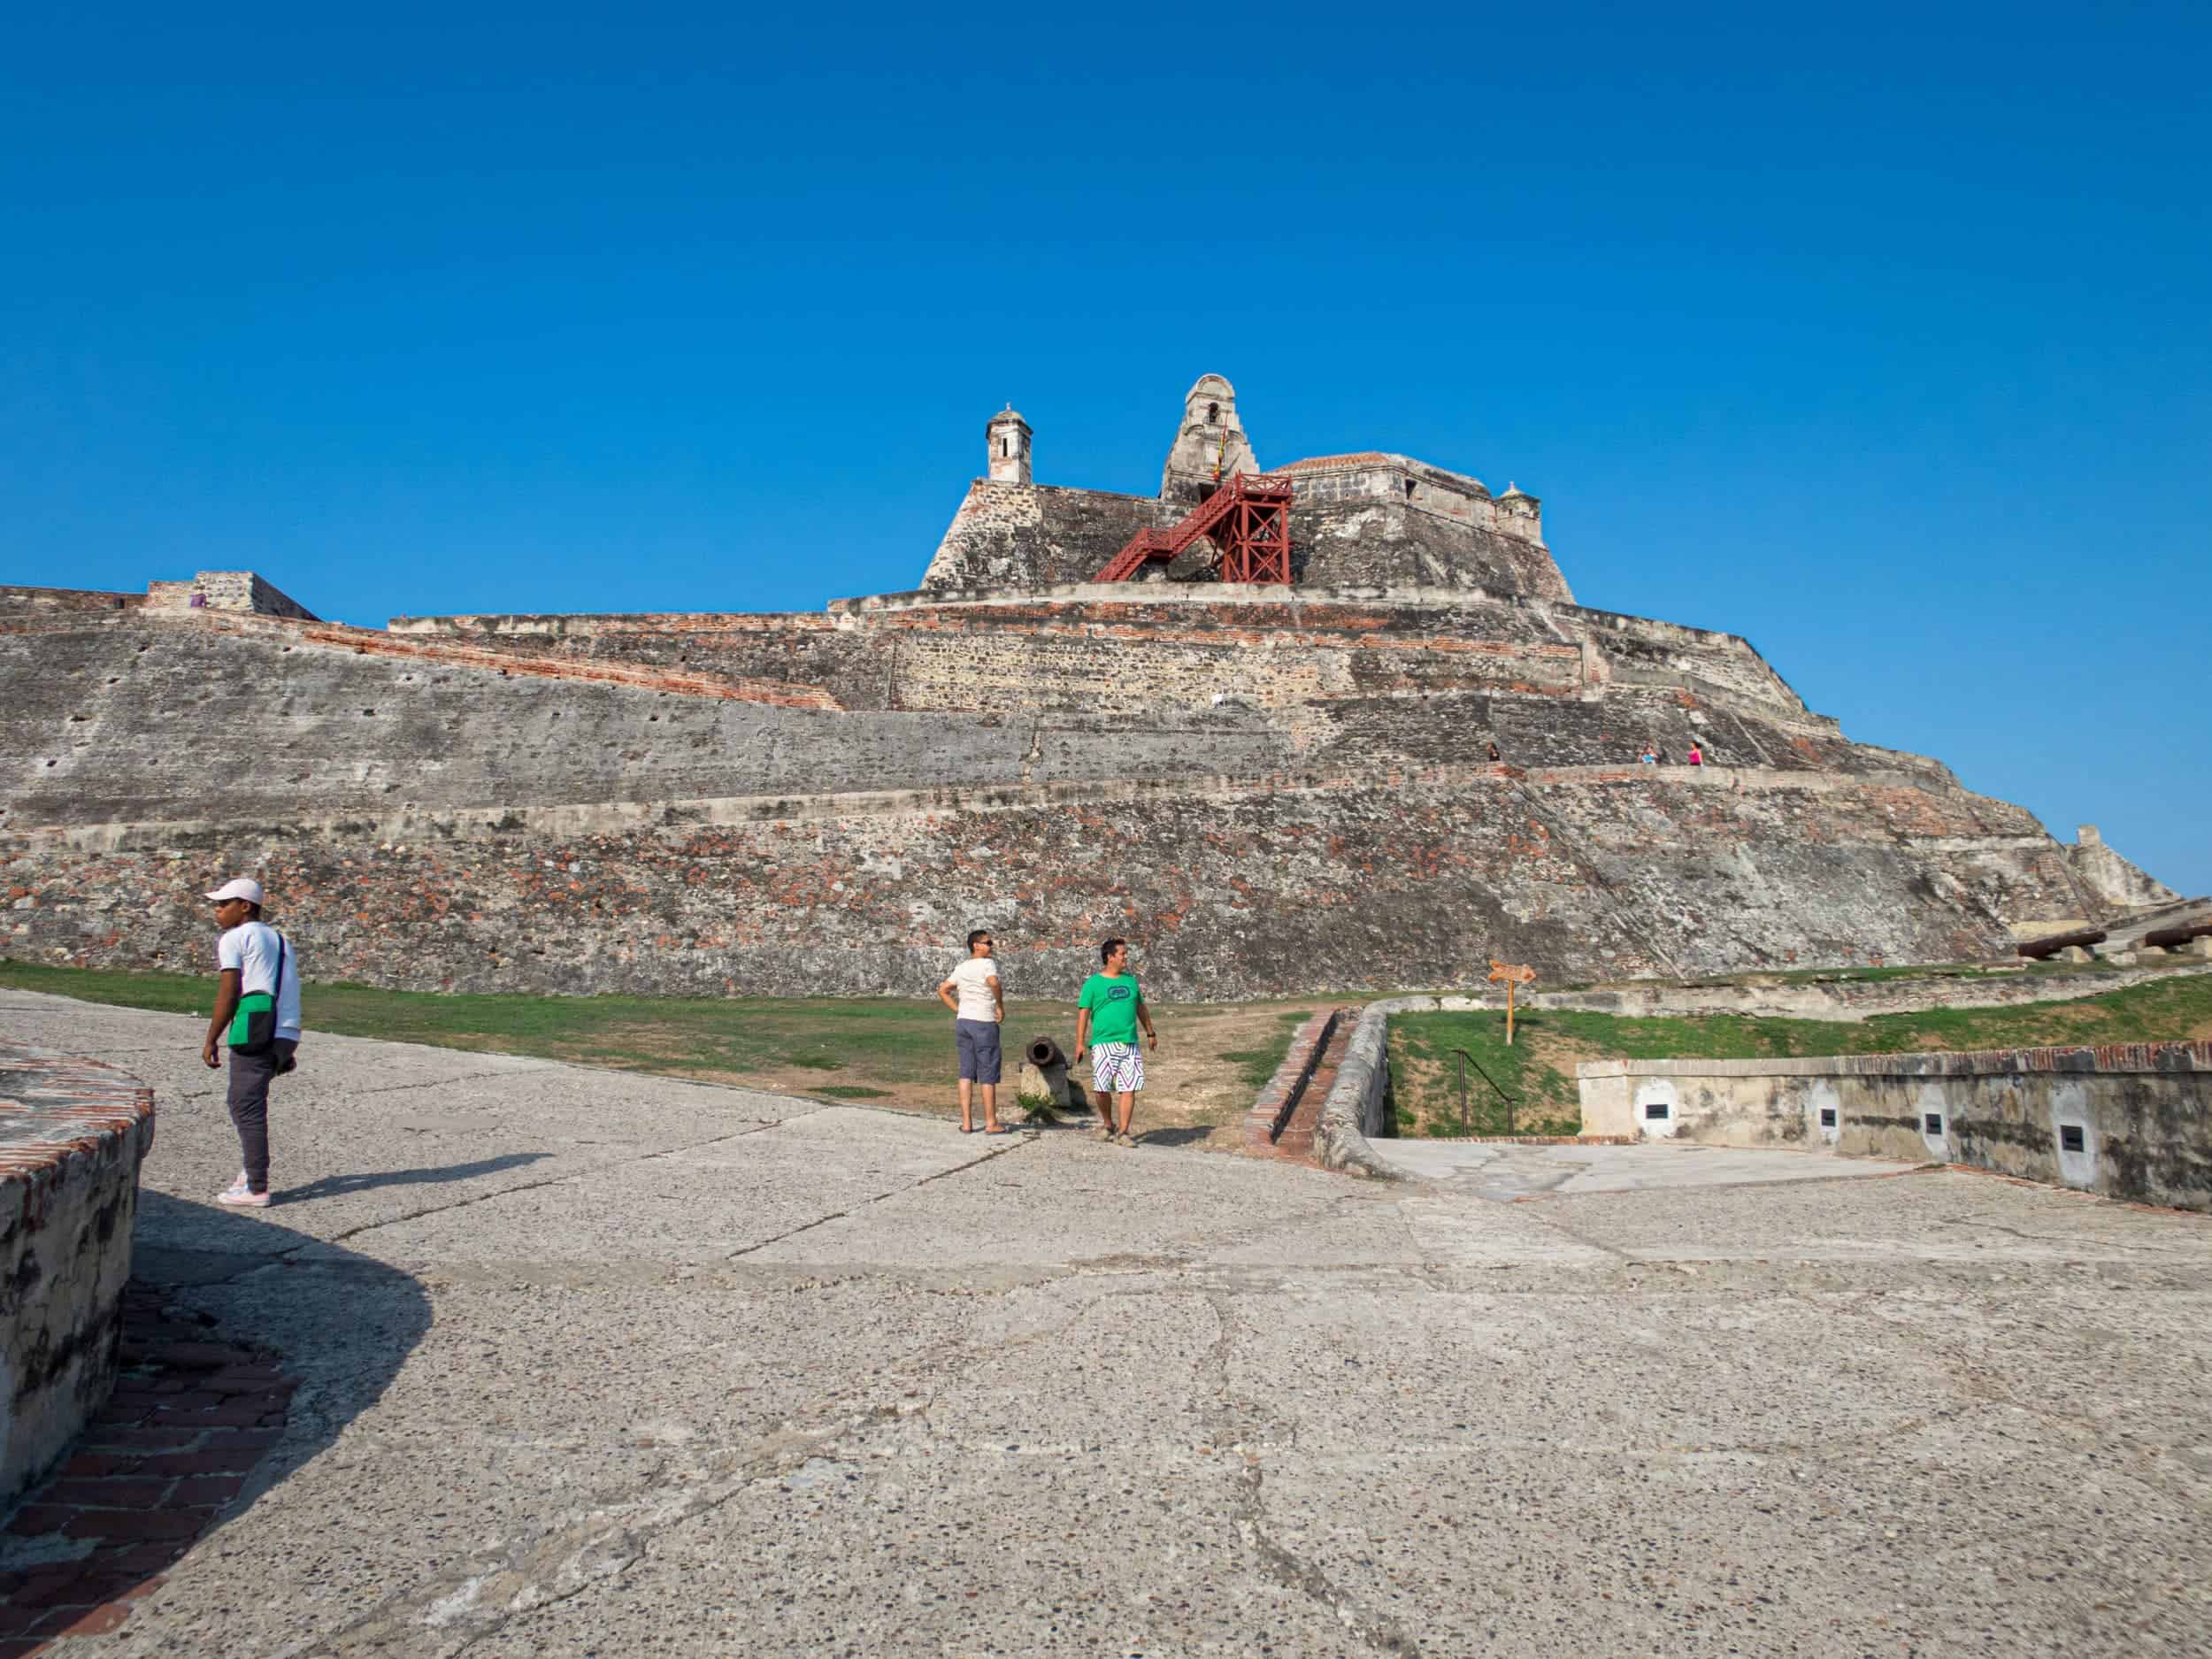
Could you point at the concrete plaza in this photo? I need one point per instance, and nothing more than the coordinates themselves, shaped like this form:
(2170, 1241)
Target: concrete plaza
(599, 1363)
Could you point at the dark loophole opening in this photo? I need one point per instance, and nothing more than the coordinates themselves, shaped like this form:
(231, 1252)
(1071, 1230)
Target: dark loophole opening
(1933, 1123)
(1657, 1109)
(2071, 1138)
(1827, 1118)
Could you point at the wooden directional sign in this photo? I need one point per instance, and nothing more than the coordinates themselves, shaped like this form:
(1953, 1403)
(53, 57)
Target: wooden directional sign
(1514, 975)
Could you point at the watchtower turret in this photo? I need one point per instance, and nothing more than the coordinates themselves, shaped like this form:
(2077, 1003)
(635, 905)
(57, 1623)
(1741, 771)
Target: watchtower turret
(1210, 448)
(1521, 514)
(1008, 437)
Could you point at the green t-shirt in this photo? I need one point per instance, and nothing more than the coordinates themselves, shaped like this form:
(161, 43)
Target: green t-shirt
(1113, 1005)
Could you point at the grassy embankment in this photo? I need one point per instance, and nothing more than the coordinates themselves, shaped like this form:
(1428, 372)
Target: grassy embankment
(1211, 1062)
(1539, 1070)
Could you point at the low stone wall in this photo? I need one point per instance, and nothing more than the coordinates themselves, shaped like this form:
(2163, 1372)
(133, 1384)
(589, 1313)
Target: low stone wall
(2129, 1120)
(72, 1133)
(1357, 1109)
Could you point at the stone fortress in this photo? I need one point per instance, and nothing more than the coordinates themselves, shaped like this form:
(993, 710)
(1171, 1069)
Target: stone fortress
(1273, 788)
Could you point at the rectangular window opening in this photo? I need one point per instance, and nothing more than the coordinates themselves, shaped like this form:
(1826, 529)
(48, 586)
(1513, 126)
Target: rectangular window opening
(1933, 1123)
(1656, 1110)
(1827, 1118)
(2072, 1137)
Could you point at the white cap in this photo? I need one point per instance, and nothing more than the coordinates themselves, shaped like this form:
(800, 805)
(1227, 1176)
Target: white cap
(238, 888)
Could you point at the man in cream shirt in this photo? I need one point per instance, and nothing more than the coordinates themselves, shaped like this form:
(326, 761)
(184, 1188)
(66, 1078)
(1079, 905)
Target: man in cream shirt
(971, 991)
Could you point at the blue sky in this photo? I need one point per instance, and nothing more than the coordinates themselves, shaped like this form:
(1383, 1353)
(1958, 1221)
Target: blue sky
(1876, 334)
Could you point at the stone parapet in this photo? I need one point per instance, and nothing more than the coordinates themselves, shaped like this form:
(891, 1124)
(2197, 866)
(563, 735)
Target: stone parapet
(16, 602)
(2129, 1120)
(241, 592)
(72, 1133)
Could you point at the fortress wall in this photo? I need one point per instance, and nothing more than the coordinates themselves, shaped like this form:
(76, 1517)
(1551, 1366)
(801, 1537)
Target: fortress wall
(1346, 529)
(793, 649)
(147, 753)
(1240, 893)
(1030, 535)
(1234, 894)
(1389, 543)
(1666, 650)
(1450, 496)
(178, 719)
(1808, 875)
(40, 602)
(1020, 651)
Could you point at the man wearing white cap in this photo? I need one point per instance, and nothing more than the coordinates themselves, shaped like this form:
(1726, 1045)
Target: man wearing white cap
(257, 1015)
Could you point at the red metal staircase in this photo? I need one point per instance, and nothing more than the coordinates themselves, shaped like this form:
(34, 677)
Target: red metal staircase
(1248, 519)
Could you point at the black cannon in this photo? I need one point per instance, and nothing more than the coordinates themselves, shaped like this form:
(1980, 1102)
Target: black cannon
(2179, 933)
(2051, 944)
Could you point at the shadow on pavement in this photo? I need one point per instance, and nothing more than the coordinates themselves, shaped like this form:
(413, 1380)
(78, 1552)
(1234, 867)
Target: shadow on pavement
(339, 1185)
(1188, 1134)
(245, 1348)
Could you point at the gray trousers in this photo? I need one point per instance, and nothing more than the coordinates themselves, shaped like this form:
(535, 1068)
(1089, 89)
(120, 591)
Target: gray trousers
(250, 1077)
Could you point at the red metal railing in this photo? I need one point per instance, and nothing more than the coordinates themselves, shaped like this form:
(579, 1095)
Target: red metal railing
(1253, 513)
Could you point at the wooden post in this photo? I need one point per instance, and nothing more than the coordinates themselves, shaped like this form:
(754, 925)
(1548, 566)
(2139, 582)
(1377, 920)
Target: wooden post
(1514, 976)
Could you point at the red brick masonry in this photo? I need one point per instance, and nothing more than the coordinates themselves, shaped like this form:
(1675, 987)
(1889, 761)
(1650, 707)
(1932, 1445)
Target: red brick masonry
(1282, 1120)
(179, 1440)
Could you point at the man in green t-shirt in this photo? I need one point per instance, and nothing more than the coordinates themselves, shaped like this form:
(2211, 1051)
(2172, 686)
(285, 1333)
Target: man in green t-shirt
(1107, 1016)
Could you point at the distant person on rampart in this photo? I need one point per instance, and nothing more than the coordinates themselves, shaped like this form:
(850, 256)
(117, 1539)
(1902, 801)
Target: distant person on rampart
(257, 1018)
(1494, 750)
(1649, 758)
(979, 1008)
(1697, 756)
(1108, 1012)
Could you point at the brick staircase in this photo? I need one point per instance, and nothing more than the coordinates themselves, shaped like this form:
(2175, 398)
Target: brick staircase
(1282, 1121)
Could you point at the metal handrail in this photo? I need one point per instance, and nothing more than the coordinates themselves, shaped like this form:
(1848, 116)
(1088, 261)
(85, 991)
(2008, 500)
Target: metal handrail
(1466, 1060)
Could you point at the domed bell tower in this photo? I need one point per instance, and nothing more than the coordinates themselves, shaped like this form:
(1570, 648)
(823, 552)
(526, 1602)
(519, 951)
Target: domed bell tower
(1008, 436)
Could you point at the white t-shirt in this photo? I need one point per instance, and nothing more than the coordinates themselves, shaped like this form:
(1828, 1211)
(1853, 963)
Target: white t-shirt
(251, 949)
(970, 983)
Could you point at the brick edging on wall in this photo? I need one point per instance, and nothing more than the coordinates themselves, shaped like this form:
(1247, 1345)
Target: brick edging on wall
(1271, 1108)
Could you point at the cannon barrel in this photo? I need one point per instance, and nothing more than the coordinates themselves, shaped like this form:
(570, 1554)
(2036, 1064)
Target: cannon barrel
(2180, 933)
(2050, 944)
(1051, 1066)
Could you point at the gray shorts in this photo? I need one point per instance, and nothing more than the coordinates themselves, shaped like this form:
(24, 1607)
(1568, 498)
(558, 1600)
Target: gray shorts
(979, 1049)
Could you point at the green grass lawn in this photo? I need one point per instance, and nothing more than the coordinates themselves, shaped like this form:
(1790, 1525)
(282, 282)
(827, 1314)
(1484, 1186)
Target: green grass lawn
(1539, 1070)
(840, 1047)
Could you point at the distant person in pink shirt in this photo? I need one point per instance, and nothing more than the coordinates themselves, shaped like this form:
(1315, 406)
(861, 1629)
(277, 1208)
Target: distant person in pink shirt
(1697, 756)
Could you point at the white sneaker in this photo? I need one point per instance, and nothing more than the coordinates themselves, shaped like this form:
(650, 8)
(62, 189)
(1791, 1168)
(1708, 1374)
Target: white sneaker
(239, 1198)
(239, 1184)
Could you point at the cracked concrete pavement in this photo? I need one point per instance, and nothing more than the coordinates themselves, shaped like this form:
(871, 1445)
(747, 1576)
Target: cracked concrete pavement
(599, 1364)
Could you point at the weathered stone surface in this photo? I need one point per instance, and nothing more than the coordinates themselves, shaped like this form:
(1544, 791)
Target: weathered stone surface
(72, 1133)
(1274, 793)
(2116, 882)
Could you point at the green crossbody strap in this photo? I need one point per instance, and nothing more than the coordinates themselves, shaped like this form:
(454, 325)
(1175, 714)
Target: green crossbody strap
(258, 1002)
